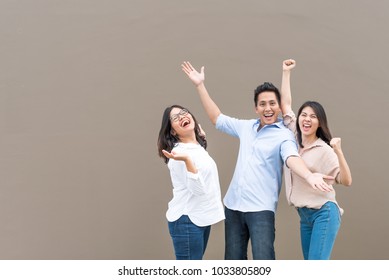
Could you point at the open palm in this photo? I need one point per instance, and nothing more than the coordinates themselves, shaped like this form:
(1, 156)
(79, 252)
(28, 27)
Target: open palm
(175, 156)
(196, 77)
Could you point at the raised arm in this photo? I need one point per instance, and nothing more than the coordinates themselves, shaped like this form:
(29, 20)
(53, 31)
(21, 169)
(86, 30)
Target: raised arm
(197, 78)
(286, 94)
(345, 173)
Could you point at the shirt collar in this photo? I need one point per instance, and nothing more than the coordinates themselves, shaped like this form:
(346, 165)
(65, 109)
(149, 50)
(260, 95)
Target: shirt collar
(278, 123)
(189, 145)
(319, 142)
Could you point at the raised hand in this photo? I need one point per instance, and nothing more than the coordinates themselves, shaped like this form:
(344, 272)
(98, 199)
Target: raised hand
(336, 143)
(196, 77)
(288, 64)
(286, 93)
(345, 173)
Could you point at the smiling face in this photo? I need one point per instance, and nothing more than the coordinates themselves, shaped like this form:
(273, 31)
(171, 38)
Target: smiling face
(267, 108)
(182, 122)
(308, 121)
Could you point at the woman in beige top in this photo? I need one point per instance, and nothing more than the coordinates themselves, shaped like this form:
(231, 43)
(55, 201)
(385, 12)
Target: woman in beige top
(320, 214)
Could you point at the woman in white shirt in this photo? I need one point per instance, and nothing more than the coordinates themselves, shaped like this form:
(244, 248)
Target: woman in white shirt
(196, 202)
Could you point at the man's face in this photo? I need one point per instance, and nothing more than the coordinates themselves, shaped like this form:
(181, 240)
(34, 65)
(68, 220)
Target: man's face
(267, 108)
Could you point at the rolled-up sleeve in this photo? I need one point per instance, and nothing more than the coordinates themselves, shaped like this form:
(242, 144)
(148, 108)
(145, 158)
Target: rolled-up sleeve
(196, 183)
(228, 125)
(182, 178)
(290, 122)
(289, 148)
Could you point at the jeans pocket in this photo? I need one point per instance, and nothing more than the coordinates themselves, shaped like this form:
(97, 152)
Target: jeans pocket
(179, 225)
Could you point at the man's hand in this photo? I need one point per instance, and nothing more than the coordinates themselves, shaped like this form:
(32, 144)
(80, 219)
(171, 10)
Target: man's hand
(196, 77)
(316, 180)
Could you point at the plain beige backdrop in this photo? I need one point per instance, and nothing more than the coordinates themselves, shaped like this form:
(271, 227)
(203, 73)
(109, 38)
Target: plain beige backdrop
(83, 84)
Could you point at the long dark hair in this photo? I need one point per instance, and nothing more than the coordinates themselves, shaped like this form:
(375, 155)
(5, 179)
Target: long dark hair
(166, 139)
(323, 130)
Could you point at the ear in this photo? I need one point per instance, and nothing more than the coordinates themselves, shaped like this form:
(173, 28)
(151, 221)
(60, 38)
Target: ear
(256, 110)
(173, 132)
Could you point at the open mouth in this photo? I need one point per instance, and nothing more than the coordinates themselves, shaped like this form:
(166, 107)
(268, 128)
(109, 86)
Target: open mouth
(185, 123)
(306, 127)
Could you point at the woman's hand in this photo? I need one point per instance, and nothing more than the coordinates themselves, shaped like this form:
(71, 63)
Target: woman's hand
(288, 64)
(202, 132)
(183, 157)
(175, 156)
(336, 143)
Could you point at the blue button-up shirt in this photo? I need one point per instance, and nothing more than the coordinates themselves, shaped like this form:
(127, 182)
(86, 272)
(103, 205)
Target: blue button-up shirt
(257, 179)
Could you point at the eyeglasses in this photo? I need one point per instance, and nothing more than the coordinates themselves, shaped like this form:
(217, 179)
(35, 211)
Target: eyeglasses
(176, 117)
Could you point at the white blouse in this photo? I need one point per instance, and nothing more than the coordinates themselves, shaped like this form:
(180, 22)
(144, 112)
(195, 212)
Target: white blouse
(196, 195)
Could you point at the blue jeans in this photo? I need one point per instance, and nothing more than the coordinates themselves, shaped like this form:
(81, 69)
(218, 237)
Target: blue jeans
(189, 240)
(318, 230)
(242, 226)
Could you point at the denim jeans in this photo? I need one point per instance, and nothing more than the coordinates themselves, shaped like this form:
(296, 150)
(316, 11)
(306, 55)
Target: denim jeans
(189, 240)
(242, 226)
(318, 230)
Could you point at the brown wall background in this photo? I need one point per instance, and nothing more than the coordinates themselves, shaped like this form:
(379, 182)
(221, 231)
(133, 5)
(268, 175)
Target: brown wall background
(83, 85)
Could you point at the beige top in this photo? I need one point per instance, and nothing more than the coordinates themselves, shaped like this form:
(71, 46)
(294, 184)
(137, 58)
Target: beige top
(319, 157)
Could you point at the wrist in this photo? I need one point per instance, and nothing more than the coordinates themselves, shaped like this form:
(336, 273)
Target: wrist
(306, 177)
(199, 84)
(338, 151)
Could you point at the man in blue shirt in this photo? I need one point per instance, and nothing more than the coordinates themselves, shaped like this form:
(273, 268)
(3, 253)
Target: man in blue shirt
(265, 145)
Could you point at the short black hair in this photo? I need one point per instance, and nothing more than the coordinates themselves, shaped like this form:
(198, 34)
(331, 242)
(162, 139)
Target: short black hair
(266, 86)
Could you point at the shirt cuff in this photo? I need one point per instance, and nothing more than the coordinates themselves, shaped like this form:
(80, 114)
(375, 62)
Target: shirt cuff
(218, 120)
(288, 118)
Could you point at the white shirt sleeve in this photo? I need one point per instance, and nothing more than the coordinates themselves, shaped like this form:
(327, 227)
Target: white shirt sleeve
(182, 178)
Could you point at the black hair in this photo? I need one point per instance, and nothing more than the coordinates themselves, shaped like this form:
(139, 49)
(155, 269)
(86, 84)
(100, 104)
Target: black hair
(266, 86)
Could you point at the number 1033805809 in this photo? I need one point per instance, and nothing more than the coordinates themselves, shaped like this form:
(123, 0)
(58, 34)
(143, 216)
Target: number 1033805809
(241, 270)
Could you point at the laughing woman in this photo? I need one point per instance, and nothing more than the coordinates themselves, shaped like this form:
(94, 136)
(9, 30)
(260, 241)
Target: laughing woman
(196, 202)
(320, 213)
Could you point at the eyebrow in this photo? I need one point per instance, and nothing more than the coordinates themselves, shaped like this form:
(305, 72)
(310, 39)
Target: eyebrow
(265, 101)
(304, 112)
